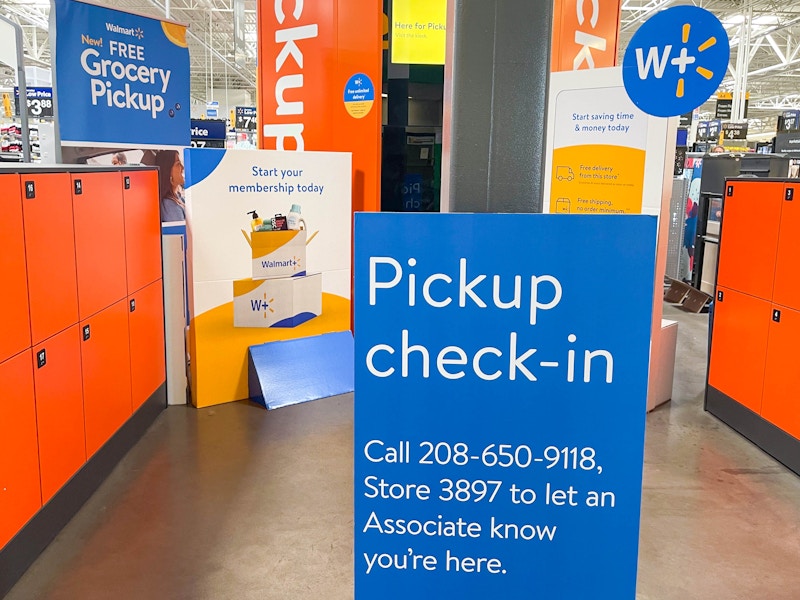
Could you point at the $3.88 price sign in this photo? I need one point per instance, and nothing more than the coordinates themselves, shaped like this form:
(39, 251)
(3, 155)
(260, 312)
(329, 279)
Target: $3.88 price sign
(40, 107)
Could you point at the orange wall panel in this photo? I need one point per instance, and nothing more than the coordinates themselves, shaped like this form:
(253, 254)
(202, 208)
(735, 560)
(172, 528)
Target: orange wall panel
(749, 238)
(585, 34)
(50, 254)
(59, 409)
(142, 229)
(781, 404)
(20, 496)
(306, 53)
(16, 335)
(106, 366)
(146, 323)
(99, 241)
(739, 346)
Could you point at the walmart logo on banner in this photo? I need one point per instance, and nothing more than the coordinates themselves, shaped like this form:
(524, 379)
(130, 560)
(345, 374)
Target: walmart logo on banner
(675, 61)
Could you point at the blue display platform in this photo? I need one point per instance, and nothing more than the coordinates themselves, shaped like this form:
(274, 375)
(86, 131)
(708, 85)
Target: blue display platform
(295, 371)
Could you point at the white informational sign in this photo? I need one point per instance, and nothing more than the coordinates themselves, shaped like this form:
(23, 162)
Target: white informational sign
(605, 156)
(252, 281)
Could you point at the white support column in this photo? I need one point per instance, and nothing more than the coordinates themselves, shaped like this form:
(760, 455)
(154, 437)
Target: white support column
(742, 65)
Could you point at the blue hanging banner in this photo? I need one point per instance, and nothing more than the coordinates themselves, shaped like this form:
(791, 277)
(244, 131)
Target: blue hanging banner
(120, 78)
(500, 392)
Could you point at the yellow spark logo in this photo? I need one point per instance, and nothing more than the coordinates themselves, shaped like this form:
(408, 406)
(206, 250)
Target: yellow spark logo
(684, 59)
(268, 305)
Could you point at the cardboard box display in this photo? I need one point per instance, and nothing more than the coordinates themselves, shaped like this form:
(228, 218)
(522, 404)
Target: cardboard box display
(278, 253)
(285, 302)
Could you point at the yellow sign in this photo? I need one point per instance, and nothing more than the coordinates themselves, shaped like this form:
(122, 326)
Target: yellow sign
(418, 31)
(597, 179)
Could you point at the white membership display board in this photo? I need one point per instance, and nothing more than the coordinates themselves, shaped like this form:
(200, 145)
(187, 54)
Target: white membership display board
(269, 257)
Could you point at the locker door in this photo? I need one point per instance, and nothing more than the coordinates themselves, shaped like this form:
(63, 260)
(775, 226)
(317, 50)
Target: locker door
(16, 335)
(50, 253)
(142, 228)
(59, 409)
(106, 366)
(749, 240)
(146, 320)
(739, 346)
(781, 404)
(20, 496)
(99, 240)
(787, 267)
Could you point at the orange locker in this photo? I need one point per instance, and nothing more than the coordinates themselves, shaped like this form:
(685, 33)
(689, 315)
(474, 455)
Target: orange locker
(106, 367)
(781, 403)
(749, 239)
(146, 320)
(20, 496)
(59, 409)
(99, 240)
(49, 253)
(142, 228)
(786, 291)
(739, 346)
(16, 335)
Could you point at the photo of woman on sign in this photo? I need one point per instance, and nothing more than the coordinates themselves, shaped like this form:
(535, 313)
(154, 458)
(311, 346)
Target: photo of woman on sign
(170, 185)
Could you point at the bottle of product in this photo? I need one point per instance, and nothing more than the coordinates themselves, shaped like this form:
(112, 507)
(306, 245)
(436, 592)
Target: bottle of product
(294, 219)
(256, 222)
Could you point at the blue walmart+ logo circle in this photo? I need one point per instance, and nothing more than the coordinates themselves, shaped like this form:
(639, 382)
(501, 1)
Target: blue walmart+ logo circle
(675, 61)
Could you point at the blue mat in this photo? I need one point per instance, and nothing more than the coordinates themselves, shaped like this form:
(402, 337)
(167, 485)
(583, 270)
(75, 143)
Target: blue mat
(294, 371)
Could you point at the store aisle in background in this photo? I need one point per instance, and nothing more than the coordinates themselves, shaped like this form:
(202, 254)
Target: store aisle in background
(233, 502)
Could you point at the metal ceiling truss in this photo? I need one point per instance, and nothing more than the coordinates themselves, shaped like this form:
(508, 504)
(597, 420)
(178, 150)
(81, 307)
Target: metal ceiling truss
(771, 62)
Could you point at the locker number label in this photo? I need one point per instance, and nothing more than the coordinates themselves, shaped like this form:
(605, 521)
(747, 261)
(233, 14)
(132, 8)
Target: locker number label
(87, 332)
(776, 316)
(78, 187)
(127, 182)
(30, 190)
(133, 304)
(41, 358)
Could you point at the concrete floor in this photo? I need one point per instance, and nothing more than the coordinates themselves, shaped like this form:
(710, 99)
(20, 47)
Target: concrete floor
(233, 502)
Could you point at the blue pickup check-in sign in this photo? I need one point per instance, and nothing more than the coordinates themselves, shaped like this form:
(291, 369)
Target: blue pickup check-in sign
(501, 381)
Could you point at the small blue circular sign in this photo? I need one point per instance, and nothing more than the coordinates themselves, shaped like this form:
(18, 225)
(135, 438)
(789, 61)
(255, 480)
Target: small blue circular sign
(359, 95)
(675, 61)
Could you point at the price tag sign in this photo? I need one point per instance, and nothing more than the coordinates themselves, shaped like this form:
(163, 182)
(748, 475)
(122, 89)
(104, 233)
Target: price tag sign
(40, 102)
(500, 397)
(734, 131)
(245, 118)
